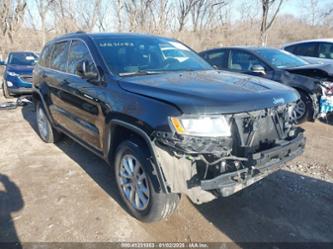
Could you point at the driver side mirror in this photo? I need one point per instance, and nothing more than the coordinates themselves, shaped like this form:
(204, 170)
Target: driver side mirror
(2, 63)
(258, 69)
(84, 71)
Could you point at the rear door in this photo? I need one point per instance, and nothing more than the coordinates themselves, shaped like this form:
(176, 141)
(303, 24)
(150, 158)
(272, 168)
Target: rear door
(75, 100)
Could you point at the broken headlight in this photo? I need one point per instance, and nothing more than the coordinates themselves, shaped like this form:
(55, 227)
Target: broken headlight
(327, 88)
(203, 126)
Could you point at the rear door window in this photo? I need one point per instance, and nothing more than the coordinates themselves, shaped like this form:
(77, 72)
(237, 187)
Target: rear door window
(79, 52)
(306, 49)
(217, 58)
(326, 50)
(59, 56)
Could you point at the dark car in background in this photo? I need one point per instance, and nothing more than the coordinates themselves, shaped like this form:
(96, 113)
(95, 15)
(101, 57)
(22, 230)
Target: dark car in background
(314, 51)
(166, 121)
(312, 81)
(17, 76)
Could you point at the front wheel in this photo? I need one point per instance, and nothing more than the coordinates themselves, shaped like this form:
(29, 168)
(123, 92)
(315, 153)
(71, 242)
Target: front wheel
(46, 132)
(5, 90)
(135, 184)
(303, 108)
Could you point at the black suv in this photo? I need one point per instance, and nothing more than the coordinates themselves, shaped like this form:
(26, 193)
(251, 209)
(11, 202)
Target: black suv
(168, 123)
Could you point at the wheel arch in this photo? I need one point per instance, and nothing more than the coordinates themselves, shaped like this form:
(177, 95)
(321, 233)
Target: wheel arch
(38, 96)
(118, 131)
(310, 102)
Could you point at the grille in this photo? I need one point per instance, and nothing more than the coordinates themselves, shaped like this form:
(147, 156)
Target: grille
(27, 78)
(261, 129)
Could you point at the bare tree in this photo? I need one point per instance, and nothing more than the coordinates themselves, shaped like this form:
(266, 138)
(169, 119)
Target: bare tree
(89, 13)
(184, 9)
(11, 17)
(65, 16)
(43, 9)
(118, 8)
(327, 12)
(266, 23)
(139, 14)
(204, 12)
(161, 15)
(164, 13)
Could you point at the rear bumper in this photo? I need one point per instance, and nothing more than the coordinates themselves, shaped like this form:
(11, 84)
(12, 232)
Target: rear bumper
(267, 162)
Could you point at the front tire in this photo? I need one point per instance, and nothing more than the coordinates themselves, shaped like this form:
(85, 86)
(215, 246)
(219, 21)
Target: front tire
(303, 108)
(135, 183)
(5, 90)
(46, 132)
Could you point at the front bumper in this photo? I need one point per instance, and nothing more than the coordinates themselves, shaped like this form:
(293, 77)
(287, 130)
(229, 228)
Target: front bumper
(20, 91)
(267, 162)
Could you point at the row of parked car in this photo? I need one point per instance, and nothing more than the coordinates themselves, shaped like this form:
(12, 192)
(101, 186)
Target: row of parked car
(311, 73)
(171, 121)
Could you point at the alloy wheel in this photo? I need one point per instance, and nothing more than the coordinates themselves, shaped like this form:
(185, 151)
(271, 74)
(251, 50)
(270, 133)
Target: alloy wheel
(300, 109)
(134, 183)
(42, 123)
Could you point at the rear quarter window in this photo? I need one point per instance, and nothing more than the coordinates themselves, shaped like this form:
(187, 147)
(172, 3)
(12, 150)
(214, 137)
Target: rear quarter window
(290, 49)
(59, 56)
(326, 50)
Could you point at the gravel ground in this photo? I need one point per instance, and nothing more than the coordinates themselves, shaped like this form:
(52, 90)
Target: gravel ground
(62, 192)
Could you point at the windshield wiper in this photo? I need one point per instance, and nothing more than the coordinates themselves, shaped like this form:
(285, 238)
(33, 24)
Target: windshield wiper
(140, 72)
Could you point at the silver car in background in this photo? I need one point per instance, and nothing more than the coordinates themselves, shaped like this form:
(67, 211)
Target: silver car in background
(314, 51)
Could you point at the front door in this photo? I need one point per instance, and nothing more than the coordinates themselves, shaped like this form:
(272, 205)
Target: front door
(75, 105)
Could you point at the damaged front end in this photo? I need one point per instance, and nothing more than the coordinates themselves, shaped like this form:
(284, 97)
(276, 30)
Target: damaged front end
(326, 99)
(254, 145)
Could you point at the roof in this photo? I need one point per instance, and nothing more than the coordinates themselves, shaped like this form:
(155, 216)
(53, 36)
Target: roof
(247, 48)
(109, 35)
(306, 41)
(21, 52)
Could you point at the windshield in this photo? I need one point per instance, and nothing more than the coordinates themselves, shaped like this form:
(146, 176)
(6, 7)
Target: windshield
(134, 55)
(281, 59)
(24, 59)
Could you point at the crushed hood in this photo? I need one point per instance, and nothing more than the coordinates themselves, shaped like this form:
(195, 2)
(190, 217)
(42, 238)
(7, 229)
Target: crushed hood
(314, 70)
(211, 92)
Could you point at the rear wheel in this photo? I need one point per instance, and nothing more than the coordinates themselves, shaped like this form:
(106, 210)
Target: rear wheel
(47, 133)
(135, 183)
(303, 108)
(5, 90)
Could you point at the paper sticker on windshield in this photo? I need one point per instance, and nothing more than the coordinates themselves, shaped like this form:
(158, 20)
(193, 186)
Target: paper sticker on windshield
(116, 44)
(179, 46)
(30, 58)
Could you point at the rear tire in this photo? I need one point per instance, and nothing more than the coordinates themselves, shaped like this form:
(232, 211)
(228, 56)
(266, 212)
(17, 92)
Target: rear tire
(135, 185)
(5, 90)
(46, 132)
(303, 108)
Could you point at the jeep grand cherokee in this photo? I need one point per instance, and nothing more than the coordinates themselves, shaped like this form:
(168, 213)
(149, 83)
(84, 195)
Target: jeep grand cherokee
(167, 124)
